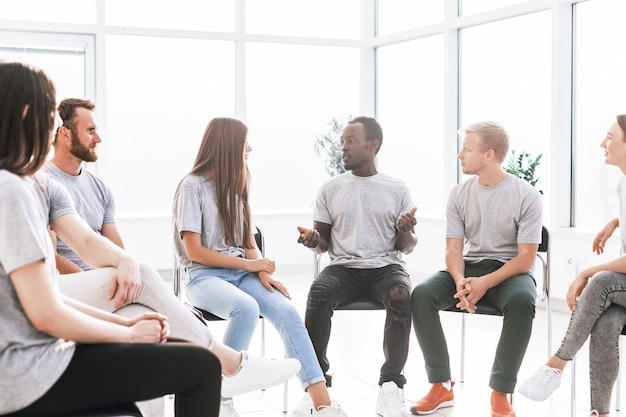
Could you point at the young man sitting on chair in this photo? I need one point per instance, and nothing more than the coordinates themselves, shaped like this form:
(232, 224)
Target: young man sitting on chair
(493, 231)
(365, 220)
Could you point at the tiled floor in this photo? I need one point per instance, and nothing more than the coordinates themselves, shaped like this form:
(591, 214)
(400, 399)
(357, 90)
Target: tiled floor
(356, 355)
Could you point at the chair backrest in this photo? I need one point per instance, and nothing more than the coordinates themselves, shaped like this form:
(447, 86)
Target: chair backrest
(545, 240)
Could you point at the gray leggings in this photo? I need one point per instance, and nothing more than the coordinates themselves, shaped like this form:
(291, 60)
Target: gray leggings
(600, 312)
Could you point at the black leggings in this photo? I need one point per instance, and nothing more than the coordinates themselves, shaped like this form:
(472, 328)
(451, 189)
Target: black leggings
(110, 374)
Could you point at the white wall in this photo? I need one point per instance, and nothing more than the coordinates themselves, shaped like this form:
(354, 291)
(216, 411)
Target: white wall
(150, 239)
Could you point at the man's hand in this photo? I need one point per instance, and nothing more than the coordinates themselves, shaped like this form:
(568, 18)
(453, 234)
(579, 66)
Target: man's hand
(308, 237)
(126, 283)
(406, 221)
(469, 291)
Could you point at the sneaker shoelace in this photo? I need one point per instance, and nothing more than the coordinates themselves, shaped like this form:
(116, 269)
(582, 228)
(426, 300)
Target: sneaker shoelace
(546, 377)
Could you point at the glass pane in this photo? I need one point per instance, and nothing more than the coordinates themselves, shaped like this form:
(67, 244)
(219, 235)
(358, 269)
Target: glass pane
(400, 15)
(410, 109)
(469, 7)
(505, 77)
(599, 97)
(288, 105)
(319, 19)
(61, 11)
(66, 69)
(161, 93)
(213, 16)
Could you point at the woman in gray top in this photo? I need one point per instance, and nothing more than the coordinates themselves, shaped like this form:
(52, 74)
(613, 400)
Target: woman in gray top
(57, 355)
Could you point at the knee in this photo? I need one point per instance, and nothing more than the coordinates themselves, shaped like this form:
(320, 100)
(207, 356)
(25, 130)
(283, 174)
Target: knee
(149, 275)
(399, 304)
(245, 308)
(319, 293)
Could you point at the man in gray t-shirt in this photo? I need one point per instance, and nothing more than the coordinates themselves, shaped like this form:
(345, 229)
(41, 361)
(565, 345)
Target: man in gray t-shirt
(493, 230)
(75, 143)
(365, 220)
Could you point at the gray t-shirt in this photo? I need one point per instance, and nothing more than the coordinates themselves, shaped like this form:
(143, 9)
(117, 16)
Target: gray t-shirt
(30, 361)
(362, 212)
(93, 200)
(195, 210)
(492, 220)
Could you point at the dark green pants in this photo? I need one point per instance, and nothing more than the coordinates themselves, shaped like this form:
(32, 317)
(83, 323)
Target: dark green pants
(515, 298)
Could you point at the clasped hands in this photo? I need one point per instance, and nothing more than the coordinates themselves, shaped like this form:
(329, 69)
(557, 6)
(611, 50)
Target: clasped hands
(469, 291)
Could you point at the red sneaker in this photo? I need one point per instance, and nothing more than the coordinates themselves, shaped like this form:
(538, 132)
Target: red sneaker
(438, 397)
(500, 405)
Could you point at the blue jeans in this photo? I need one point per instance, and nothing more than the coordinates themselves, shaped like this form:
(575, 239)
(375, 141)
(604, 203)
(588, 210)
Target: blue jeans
(600, 313)
(239, 296)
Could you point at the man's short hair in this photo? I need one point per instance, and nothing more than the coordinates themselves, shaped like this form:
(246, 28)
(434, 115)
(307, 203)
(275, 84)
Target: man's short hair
(491, 135)
(373, 131)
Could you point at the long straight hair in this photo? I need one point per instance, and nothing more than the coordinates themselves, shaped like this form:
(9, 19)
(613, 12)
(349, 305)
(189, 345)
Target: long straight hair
(220, 157)
(621, 122)
(27, 111)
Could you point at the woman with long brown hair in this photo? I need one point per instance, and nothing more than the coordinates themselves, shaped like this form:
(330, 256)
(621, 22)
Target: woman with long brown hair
(227, 275)
(58, 355)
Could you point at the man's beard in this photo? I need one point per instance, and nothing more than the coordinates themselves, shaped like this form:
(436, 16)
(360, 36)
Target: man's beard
(80, 151)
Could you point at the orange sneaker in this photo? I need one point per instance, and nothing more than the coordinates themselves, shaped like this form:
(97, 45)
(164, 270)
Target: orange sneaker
(438, 397)
(500, 405)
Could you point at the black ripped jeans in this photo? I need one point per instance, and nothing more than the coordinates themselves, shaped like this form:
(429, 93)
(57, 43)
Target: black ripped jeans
(337, 284)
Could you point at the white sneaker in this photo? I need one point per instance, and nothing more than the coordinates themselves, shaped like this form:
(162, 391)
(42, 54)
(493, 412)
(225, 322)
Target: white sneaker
(256, 373)
(227, 409)
(391, 401)
(539, 386)
(304, 408)
(333, 410)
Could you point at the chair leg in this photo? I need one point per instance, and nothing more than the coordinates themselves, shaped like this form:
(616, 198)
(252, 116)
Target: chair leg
(462, 347)
(573, 388)
(618, 385)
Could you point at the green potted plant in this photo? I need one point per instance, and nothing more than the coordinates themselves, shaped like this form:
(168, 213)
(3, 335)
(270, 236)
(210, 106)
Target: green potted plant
(524, 166)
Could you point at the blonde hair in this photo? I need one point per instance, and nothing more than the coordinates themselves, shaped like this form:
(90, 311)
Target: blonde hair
(491, 135)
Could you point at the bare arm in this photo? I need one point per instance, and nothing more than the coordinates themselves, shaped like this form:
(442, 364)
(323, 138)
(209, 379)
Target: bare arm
(316, 238)
(607, 231)
(474, 288)
(49, 313)
(203, 255)
(405, 234)
(64, 265)
(100, 252)
(111, 232)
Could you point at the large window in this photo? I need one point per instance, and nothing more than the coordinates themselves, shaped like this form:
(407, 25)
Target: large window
(400, 15)
(293, 91)
(505, 77)
(410, 110)
(161, 93)
(600, 91)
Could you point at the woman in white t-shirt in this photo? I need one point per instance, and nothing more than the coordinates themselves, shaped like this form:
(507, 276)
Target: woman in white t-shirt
(598, 299)
(59, 356)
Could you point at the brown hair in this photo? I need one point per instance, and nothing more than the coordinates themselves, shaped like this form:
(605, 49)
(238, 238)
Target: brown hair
(67, 111)
(220, 157)
(26, 117)
(621, 121)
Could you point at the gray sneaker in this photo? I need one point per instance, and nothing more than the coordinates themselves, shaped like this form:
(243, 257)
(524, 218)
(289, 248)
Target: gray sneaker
(256, 373)
(539, 386)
